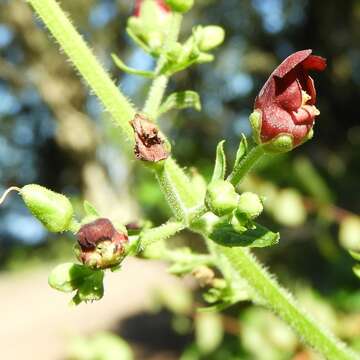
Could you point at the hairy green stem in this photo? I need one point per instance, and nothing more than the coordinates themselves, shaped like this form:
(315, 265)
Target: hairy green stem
(86, 63)
(246, 164)
(283, 304)
(176, 187)
(160, 82)
(162, 232)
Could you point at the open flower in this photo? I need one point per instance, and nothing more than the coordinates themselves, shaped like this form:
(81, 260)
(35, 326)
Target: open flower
(285, 107)
(100, 245)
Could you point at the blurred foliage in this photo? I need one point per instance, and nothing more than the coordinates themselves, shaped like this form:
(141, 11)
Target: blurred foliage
(102, 346)
(52, 133)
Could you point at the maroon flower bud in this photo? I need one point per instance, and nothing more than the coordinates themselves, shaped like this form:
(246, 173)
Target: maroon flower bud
(285, 107)
(100, 245)
(161, 4)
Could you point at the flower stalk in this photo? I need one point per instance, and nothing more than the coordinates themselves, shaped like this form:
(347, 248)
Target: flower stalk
(160, 82)
(246, 164)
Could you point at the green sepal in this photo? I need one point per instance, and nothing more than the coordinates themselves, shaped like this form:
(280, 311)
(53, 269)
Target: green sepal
(87, 283)
(220, 163)
(356, 270)
(355, 254)
(138, 41)
(181, 100)
(92, 289)
(90, 209)
(241, 151)
(224, 234)
(120, 64)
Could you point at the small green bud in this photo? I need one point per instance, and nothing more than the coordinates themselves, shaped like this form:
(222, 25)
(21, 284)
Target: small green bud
(52, 209)
(211, 37)
(250, 205)
(181, 6)
(221, 197)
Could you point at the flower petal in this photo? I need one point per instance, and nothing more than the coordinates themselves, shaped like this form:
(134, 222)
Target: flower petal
(275, 121)
(314, 62)
(291, 62)
(310, 89)
(305, 115)
(288, 96)
(299, 132)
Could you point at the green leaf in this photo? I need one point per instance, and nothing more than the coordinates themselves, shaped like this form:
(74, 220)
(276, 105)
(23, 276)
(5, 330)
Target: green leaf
(242, 150)
(120, 64)
(90, 209)
(181, 100)
(220, 163)
(224, 234)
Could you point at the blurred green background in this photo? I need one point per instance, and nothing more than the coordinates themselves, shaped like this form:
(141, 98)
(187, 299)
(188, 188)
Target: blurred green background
(53, 132)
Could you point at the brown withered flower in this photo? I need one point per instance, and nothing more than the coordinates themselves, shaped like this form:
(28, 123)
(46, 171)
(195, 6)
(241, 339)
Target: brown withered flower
(100, 245)
(149, 145)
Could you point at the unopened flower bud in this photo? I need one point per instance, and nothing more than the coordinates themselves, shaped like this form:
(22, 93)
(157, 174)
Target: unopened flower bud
(221, 197)
(100, 245)
(52, 209)
(249, 205)
(211, 37)
(181, 6)
(285, 111)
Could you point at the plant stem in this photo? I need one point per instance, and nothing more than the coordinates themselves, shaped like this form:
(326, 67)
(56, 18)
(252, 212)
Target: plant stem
(162, 232)
(159, 84)
(176, 187)
(282, 303)
(246, 164)
(86, 63)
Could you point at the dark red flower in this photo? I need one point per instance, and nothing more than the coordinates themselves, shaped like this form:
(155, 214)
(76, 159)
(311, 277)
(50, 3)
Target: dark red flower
(161, 3)
(286, 103)
(100, 245)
